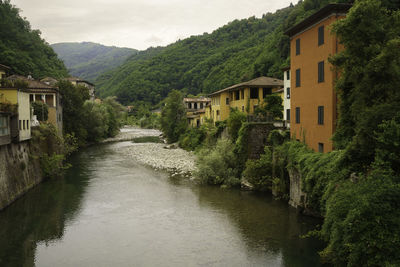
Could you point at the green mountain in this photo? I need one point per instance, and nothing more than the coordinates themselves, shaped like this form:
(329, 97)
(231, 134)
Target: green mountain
(89, 60)
(22, 48)
(238, 51)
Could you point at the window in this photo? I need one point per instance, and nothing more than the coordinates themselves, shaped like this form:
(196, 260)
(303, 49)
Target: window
(237, 95)
(298, 78)
(201, 105)
(288, 75)
(267, 91)
(288, 114)
(242, 93)
(321, 39)
(227, 100)
(321, 147)
(242, 108)
(297, 46)
(217, 112)
(195, 105)
(27, 124)
(4, 126)
(19, 125)
(23, 124)
(321, 115)
(254, 93)
(190, 105)
(297, 115)
(288, 93)
(321, 75)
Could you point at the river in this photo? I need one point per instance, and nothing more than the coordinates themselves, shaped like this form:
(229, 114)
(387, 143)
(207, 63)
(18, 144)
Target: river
(111, 211)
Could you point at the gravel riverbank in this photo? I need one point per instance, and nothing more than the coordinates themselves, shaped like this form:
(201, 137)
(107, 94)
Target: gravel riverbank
(156, 155)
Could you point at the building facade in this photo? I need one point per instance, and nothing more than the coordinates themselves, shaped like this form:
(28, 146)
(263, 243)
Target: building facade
(77, 81)
(196, 109)
(313, 99)
(286, 96)
(243, 96)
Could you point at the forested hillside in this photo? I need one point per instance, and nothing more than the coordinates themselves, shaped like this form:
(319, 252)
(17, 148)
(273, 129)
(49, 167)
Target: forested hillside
(236, 52)
(89, 60)
(23, 49)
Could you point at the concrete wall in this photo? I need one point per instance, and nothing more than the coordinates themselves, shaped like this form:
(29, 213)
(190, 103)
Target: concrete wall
(19, 172)
(297, 198)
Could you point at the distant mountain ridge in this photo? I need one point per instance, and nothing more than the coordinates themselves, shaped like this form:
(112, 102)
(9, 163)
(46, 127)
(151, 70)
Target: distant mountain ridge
(89, 60)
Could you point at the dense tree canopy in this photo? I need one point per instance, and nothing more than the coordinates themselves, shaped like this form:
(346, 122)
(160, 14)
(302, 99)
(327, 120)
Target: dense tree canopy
(89, 60)
(23, 49)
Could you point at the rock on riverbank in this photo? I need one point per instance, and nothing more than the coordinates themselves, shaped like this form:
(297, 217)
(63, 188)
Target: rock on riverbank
(177, 161)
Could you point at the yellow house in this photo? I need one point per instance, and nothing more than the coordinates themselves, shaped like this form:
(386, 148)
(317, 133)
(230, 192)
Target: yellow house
(20, 120)
(244, 96)
(39, 91)
(196, 109)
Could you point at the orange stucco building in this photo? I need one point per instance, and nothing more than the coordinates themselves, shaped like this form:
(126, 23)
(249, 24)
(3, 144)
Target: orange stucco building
(313, 97)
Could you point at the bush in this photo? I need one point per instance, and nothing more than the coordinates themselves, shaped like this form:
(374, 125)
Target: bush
(259, 172)
(362, 223)
(217, 165)
(234, 122)
(192, 138)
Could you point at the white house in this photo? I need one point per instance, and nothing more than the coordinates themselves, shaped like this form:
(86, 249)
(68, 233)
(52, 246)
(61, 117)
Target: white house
(286, 98)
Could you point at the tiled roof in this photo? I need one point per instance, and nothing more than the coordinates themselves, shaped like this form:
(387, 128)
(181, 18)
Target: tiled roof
(32, 84)
(258, 82)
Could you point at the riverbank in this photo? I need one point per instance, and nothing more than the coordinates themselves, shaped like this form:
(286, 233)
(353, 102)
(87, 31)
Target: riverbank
(156, 155)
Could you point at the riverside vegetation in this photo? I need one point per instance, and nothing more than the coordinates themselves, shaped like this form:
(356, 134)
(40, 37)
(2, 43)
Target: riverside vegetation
(356, 188)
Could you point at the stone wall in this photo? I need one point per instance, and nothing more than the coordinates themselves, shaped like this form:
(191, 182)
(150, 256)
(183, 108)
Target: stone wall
(257, 138)
(297, 198)
(19, 171)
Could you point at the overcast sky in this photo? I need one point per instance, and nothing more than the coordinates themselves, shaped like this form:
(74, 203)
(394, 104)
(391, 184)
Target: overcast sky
(136, 23)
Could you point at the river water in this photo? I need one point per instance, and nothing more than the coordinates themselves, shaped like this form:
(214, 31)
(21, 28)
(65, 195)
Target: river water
(111, 211)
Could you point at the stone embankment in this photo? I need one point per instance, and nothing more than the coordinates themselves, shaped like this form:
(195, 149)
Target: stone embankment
(156, 155)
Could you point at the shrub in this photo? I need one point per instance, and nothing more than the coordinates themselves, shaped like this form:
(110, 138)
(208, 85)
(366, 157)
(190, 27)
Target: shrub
(259, 172)
(362, 222)
(192, 138)
(234, 122)
(218, 165)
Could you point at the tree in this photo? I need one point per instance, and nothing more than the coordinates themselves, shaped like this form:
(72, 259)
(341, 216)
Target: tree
(73, 98)
(41, 110)
(173, 116)
(368, 86)
(235, 121)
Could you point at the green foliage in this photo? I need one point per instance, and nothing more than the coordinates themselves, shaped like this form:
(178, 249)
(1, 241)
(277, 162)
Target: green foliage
(241, 147)
(369, 80)
(41, 110)
(217, 165)
(88, 121)
(51, 149)
(143, 117)
(173, 117)
(271, 109)
(89, 60)
(23, 49)
(259, 172)
(101, 120)
(73, 98)
(192, 138)
(147, 139)
(234, 122)
(362, 223)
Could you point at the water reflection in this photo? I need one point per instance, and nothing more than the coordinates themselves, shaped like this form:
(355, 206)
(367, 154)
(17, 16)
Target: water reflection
(41, 215)
(266, 225)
